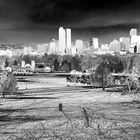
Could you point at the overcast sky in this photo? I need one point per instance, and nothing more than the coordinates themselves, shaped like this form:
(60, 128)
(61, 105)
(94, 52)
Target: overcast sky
(38, 20)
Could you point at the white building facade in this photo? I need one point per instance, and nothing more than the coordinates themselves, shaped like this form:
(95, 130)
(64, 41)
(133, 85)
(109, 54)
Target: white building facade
(62, 40)
(68, 38)
(135, 41)
(95, 43)
(65, 44)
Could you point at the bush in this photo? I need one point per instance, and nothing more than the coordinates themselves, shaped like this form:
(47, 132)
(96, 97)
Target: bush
(8, 83)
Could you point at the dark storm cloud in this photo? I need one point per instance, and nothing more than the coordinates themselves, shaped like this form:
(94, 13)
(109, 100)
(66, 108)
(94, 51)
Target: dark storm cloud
(61, 11)
(85, 17)
(66, 12)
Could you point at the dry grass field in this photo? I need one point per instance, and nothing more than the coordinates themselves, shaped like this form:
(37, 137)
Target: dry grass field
(87, 114)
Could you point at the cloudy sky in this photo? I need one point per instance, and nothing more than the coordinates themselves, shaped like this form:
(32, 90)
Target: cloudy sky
(38, 20)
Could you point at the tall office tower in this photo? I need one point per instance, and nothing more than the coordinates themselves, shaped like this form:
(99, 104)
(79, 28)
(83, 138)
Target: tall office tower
(95, 43)
(79, 46)
(125, 43)
(133, 32)
(68, 37)
(52, 47)
(62, 40)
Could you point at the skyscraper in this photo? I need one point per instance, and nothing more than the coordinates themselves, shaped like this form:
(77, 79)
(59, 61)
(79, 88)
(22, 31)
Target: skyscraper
(95, 43)
(133, 32)
(53, 46)
(79, 46)
(62, 40)
(68, 37)
(125, 43)
(135, 40)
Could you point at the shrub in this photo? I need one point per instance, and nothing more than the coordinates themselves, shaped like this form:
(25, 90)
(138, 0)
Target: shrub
(8, 83)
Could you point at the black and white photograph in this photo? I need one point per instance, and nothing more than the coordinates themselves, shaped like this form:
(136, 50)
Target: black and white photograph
(69, 70)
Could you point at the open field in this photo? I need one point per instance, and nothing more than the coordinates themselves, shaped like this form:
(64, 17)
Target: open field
(87, 113)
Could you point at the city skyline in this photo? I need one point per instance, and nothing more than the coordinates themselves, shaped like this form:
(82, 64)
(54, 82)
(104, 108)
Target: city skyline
(64, 46)
(38, 21)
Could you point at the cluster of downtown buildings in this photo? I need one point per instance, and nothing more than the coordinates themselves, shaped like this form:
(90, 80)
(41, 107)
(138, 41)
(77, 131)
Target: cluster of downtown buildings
(64, 46)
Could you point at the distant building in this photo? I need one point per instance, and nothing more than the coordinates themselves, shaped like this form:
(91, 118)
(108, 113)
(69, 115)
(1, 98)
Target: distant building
(138, 48)
(74, 51)
(95, 43)
(68, 38)
(23, 64)
(133, 32)
(87, 44)
(52, 47)
(135, 41)
(17, 52)
(41, 48)
(125, 43)
(90, 43)
(33, 64)
(34, 53)
(27, 50)
(56, 46)
(65, 44)
(105, 47)
(115, 46)
(78, 46)
(62, 40)
(9, 52)
(6, 52)
(134, 48)
(131, 48)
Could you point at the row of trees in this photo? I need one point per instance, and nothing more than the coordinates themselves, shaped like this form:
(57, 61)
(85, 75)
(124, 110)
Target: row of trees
(102, 65)
(60, 63)
(105, 64)
(69, 62)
